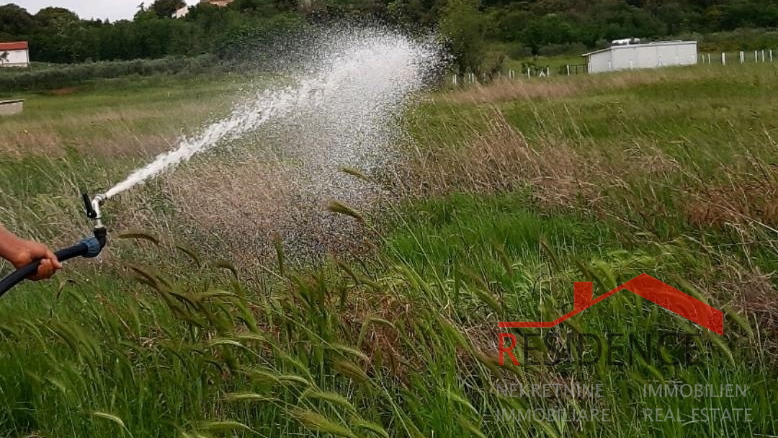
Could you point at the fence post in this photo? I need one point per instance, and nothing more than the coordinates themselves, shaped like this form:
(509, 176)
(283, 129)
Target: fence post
(763, 55)
(771, 55)
(529, 72)
(742, 57)
(568, 69)
(723, 58)
(756, 56)
(708, 58)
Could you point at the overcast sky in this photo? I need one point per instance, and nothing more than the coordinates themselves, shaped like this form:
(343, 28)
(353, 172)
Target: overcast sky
(111, 9)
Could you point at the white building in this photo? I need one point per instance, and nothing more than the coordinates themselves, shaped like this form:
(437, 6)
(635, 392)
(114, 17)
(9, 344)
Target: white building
(184, 11)
(649, 55)
(181, 12)
(14, 54)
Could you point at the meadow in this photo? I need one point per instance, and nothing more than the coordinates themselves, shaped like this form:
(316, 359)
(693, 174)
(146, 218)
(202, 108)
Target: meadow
(202, 320)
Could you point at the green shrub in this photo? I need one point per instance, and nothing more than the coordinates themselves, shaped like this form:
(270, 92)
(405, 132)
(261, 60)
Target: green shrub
(62, 75)
(741, 39)
(563, 49)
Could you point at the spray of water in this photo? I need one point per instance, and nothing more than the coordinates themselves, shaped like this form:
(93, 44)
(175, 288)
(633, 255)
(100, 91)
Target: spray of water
(346, 96)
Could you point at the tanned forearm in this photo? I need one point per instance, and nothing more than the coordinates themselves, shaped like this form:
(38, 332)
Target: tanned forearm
(8, 241)
(21, 252)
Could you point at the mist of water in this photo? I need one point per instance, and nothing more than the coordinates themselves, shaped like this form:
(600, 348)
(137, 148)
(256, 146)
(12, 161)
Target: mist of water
(347, 91)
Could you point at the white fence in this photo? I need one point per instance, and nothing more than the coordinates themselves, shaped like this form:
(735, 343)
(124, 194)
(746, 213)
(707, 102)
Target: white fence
(725, 58)
(470, 78)
(742, 57)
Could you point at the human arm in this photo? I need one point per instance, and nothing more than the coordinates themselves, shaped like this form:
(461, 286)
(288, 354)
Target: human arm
(21, 252)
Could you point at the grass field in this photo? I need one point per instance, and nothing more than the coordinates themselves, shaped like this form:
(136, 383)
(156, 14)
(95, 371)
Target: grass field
(506, 195)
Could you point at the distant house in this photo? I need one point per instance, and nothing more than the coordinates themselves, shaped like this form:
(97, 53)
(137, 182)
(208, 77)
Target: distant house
(182, 12)
(626, 55)
(14, 54)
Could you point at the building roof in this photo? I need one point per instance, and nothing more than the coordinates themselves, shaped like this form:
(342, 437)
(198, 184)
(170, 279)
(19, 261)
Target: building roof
(654, 44)
(15, 45)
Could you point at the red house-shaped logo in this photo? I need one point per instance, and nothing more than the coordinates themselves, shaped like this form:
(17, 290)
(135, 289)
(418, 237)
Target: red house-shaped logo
(647, 287)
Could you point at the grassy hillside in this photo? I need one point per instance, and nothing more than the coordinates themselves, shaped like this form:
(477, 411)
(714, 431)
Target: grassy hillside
(505, 196)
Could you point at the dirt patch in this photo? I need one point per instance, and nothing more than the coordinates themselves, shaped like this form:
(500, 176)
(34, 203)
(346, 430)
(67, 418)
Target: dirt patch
(62, 91)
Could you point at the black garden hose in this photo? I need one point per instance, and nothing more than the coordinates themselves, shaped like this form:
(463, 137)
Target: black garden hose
(89, 247)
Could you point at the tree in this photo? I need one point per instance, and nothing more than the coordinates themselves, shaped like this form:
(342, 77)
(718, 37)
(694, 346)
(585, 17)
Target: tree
(258, 7)
(550, 29)
(56, 17)
(463, 25)
(468, 27)
(166, 8)
(15, 20)
(57, 36)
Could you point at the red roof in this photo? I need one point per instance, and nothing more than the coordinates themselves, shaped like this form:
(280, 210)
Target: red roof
(16, 45)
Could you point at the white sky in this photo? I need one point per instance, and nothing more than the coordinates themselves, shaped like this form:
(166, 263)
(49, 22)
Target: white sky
(111, 9)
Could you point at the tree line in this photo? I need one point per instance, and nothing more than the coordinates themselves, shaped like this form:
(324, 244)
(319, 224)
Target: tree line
(58, 35)
(525, 27)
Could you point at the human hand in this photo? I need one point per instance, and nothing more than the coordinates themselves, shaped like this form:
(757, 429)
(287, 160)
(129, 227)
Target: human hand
(22, 252)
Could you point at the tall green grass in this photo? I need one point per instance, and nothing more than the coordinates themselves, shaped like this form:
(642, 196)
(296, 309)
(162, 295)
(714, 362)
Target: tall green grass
(165, 337)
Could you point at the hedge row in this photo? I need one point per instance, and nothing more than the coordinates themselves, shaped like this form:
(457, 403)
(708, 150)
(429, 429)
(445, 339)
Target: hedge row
(52, 76)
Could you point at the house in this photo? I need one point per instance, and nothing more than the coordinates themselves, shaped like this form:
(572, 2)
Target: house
(183, 11)
(14, 54)
(646, 286)
(626, 55)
